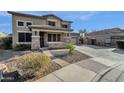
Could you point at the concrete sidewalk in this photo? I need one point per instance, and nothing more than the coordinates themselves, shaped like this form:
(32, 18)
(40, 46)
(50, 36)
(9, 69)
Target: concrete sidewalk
(83, 71)
(104, 66)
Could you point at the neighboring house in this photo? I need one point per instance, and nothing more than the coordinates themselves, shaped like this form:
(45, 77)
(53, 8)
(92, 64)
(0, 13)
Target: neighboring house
(41, 31)
(2, 34)
(106, 37)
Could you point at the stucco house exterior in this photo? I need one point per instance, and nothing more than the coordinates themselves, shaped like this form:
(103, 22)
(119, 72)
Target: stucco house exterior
(106, 37)
(42, 31)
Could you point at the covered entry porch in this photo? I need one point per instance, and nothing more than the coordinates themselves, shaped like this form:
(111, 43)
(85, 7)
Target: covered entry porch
(48, 38)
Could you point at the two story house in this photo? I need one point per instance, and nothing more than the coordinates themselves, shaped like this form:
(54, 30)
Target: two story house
(41, 31)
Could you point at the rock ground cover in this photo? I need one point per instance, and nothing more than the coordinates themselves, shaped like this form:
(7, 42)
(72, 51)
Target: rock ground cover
(75, 57)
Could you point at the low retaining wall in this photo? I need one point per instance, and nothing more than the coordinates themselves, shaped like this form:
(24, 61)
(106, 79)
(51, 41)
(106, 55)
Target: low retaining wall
(55, 45)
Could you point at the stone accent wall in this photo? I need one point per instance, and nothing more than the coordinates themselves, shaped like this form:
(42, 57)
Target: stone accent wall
(35, 42)
(56, 45)
(70, 40)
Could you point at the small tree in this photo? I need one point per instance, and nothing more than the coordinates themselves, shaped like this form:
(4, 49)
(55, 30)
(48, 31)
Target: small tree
(6, 43)
(71, 48)
(82, 33)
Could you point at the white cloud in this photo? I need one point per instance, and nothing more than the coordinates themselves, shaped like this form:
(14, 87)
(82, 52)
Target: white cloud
(80, 15)
(87, 16)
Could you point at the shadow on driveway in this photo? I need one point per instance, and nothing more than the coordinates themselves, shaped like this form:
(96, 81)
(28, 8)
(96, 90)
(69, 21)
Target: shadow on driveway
(119, 51)
(98, 47)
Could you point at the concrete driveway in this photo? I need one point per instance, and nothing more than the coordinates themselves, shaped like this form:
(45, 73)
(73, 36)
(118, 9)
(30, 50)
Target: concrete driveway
(111, 54)
(106, 65)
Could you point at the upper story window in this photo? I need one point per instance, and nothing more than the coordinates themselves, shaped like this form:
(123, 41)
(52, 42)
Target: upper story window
(20, 23)
(64, 26)
(28, 23)
(51, 23)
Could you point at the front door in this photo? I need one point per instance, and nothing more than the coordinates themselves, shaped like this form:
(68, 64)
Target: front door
(93, 41)
(41, 39)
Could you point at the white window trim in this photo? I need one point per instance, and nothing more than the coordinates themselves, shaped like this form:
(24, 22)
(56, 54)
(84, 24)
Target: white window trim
(56, 38)
(28, 21)
(18, 37)
(54, 20)
(21, 21)
(51, 21)
(23, 42)
(24, 31)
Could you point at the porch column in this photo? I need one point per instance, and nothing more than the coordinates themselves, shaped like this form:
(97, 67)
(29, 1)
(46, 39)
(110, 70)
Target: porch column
(35, 40)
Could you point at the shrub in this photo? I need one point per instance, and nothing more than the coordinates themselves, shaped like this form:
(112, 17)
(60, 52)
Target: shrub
(30, 63)
(71, 48)
(21, 47)
(120, 44)
(6, 43)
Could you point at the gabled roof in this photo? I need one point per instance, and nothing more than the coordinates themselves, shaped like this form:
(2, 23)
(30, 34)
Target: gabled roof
(22, 14)
(36, 16)
(45, 16)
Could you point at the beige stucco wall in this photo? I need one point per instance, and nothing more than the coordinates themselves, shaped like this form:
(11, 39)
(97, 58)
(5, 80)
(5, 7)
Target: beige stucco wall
(100, 39)
(58, 22)
(16, 29)
(35, 21)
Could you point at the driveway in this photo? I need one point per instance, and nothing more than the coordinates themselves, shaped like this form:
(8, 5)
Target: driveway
(105, 65)
(107, 53)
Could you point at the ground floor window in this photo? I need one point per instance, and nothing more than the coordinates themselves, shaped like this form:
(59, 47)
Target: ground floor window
(49, 37)
(58, 37)
(54, 37)
(24, 37)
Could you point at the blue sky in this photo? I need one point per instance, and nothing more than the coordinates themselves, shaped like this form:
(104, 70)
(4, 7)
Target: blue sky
(81, 19)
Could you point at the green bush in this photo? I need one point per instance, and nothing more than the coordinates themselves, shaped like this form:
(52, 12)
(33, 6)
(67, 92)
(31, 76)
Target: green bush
(30, 63)
(71, 48)
(120, 44)
(21, 47)
(6, 43)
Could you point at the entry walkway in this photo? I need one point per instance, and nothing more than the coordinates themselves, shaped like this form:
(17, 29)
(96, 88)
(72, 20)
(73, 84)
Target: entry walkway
(104, 66)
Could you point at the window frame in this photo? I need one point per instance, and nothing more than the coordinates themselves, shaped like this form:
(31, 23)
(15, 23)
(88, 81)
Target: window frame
(25, 41)
(50, 37)
(64, 25)
(56, 38)
(21, 37)
(20, 21)
(52, 25)
(28, 22)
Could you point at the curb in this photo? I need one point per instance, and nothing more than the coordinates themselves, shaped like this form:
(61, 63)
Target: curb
(103, 73)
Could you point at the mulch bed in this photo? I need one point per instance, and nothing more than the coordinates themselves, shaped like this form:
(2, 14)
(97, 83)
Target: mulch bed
(75, 57)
